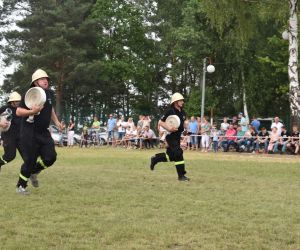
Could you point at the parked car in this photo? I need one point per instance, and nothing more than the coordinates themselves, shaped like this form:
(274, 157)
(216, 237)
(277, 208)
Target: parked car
(57, 136)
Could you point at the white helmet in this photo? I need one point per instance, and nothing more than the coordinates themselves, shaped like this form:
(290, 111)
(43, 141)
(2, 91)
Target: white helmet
(39, 73)
(176, 97)
(14, 97)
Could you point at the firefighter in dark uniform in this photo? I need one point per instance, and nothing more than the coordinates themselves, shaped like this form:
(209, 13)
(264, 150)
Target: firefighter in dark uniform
(11, 137)
(37, 145)
(174, 152)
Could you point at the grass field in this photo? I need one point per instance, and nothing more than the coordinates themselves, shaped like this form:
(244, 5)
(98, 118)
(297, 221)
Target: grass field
(103, 198)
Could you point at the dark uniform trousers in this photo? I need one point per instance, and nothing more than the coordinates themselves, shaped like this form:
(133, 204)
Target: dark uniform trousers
(174, 153)
(10, 144)
(33, 145)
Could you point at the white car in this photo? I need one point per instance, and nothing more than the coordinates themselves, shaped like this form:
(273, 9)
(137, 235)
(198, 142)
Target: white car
(58, 136)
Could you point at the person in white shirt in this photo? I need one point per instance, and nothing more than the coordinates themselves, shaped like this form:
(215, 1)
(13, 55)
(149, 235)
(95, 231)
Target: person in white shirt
(277, 124)
(224, 124)
(121, 125)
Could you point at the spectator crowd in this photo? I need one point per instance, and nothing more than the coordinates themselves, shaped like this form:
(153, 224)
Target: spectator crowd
(237, 134)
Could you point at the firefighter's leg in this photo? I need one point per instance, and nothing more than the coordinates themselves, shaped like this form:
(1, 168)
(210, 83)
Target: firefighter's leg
(161, 157)
(9, 145)
(47, 154)
(28, 148)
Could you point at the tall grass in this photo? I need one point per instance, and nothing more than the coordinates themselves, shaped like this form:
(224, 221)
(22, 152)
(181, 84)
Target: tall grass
(104, 198)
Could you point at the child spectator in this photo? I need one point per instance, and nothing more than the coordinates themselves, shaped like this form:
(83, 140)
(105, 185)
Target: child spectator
(215, 137)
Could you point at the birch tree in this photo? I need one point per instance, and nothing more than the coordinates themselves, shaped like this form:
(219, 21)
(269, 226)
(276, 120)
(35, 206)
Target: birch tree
(294, 91)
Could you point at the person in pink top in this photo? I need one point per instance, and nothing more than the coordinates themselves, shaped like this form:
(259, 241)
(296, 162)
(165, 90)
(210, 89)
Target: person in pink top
(274, 138)
(230, 138)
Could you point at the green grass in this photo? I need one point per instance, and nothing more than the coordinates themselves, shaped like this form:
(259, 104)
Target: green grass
(104, 198)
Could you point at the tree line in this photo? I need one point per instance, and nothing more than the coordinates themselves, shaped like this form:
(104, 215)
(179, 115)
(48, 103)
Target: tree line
(129, 56)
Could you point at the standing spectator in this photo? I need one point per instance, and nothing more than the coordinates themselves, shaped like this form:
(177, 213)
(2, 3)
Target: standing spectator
(61, 133)
(71, 128)
(244, 122)
(96, 124)
(111, 126)
(130, 124)
(262, 139)
(255, 123)
(146, 121)
(199, 131)
(235, 122)
(224, 124)
(193, 132)
(121, 125)
(230, 137)
(35, 139)
(140, 123)
(84, 136)
(277, 124)
(205, 133)
(11, 137)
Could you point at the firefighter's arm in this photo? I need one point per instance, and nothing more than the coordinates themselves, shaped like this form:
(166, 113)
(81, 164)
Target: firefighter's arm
(27, 112)
(166, 126)
(55, 120)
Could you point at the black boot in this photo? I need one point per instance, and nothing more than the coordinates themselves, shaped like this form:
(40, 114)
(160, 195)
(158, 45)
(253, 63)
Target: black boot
(161, 157)
(181, 173)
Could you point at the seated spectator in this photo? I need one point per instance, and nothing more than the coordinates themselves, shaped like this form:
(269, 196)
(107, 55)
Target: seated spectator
(285, 138)
(262, 140)
(148, 137)
(274, 138)
(293, 145)
(251, 139)
(240, 140)
(230, 138)
(132, 138)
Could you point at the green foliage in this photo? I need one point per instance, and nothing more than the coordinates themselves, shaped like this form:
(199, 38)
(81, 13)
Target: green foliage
(128, 57)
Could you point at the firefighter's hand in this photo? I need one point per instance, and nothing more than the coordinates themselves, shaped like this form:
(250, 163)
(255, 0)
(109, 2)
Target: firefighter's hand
(172, 129)
(4, 123)
(36, 109)
(60, 126)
